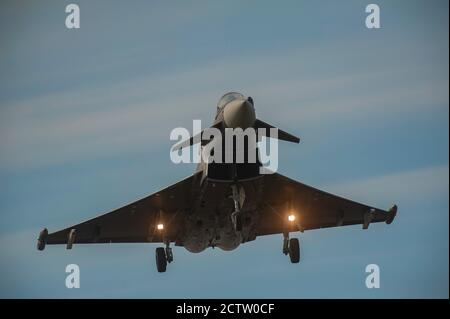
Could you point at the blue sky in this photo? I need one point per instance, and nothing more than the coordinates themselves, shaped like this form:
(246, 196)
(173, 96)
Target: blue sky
(85, 117)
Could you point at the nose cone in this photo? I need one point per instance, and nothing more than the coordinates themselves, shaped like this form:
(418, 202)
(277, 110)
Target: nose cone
(239, 113)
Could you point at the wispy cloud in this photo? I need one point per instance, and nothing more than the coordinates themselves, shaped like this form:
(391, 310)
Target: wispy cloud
(424, 185)
(406, 187)
(72, 102)
(124, 115)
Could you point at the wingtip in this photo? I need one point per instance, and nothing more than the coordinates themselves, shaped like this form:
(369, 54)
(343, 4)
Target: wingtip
(42, 240)
(391, 214)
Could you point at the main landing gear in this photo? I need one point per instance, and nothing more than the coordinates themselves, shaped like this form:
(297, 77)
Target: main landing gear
(291, 247)
(163, 256)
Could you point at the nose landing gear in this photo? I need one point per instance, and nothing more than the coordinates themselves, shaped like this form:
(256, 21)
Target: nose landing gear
(238, 196)
(237, 221)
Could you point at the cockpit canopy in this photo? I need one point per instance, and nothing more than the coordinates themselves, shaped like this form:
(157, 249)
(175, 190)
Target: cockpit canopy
(227, 98)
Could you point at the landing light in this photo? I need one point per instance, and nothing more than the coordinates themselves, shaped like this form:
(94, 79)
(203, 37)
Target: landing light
(291, 218)
(160, 226)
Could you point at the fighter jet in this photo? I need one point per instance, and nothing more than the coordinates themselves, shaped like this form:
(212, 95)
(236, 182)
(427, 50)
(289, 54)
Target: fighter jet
(223, 204)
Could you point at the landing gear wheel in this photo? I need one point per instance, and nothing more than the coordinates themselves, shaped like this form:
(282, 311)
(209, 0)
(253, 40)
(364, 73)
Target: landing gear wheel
(294, 250)
(161, 260)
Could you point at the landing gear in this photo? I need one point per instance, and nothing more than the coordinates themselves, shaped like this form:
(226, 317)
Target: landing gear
(238, 196)
(294, 250)
(163, 256)
(237, 221)
(291, 247)
(161, 261)
(285, 243)
(169, 254)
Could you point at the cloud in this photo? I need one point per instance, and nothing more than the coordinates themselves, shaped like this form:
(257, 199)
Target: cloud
(130, 114)
(25, 272)
(407, 187)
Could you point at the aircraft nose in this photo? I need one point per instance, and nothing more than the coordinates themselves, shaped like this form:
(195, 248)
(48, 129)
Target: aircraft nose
(239, 113)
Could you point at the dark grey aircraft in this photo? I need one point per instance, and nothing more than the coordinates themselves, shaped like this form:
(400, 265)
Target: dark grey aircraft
(222, 204)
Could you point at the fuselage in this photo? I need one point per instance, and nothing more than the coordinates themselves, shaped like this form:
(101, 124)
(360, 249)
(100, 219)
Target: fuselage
(209, 224)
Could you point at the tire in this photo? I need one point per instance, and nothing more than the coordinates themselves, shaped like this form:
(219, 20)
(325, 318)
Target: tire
(294, 250)
(161, 261)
